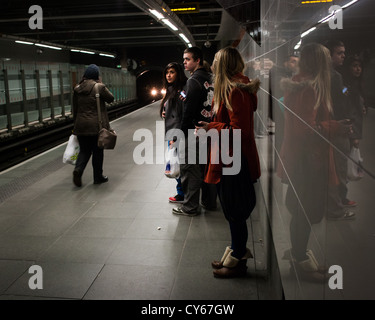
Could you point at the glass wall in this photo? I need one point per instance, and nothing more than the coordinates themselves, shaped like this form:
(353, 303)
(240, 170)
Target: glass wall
(317, 107)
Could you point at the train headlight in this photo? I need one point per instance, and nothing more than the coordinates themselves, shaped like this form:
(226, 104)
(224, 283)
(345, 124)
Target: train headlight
(154, 92)
(163, 91)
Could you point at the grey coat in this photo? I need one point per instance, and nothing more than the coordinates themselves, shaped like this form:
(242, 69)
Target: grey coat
(85, 114)
(173, 113)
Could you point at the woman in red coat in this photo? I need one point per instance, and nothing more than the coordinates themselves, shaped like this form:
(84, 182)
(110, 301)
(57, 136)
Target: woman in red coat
(307, 163)
(235, 102)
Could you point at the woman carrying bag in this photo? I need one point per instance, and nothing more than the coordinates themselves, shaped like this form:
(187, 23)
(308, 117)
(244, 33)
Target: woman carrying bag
(86, 123)
(171, 108)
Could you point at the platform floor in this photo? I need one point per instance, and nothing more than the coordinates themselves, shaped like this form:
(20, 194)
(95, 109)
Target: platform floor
(118, 240)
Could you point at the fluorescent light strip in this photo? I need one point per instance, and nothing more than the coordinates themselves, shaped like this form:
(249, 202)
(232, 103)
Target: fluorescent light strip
(190, 45)
(327, 18)
(74, 50)
(349, 4)
(88, 52)
(170, 24)
(106, 55)
(156, 14)
(46, 46)
(184, 37)
(24, 42)
(296, 47)
(307, 32)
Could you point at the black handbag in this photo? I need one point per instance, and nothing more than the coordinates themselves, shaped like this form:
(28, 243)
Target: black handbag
(106, 138)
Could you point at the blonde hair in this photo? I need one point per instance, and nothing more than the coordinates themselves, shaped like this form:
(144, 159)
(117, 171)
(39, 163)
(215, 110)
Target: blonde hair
(316, 61)
(227, 63)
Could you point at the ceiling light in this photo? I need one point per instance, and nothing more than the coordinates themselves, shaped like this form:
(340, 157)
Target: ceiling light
(106, 55)
(296, 47)
(24, 42)
(47, 46)
(327, 18)
(157, 14)
(349, 4)
(307, 32)
(170, 24)
(184, 37)
(88, 52)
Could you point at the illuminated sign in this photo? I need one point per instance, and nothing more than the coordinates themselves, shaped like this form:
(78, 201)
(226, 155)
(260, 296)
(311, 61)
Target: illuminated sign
(316, 1)
(185, 7)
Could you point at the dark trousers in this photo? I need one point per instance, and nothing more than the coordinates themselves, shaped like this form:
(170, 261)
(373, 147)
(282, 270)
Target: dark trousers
(237, 197)
(192, 183)
(89, 146)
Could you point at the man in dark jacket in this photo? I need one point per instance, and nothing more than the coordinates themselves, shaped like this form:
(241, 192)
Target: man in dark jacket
(86, 123)
(197, 107)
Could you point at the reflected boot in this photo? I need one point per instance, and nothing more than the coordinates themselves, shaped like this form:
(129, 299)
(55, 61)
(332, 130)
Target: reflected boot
(310, 270)
(233, 267)
(321, 269)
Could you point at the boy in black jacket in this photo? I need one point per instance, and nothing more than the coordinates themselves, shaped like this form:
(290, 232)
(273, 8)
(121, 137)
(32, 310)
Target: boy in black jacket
(197, 107)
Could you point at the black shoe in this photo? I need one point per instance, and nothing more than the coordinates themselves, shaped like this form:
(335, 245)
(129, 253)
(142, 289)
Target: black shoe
(103, 179)
(77, 178)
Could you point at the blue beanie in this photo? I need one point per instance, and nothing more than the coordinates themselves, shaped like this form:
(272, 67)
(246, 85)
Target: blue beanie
(92, 72)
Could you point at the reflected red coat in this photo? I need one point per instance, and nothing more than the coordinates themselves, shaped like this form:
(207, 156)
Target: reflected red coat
(244, 103)
(306, 149)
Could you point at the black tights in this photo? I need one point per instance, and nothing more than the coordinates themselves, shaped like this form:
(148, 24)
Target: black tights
(237, 197)
(239, 235)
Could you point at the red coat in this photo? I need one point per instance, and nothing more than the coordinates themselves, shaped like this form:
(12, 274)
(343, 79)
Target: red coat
(244, 103)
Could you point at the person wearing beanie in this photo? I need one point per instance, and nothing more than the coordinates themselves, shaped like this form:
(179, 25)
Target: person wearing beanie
(86, 123)
(92, 72)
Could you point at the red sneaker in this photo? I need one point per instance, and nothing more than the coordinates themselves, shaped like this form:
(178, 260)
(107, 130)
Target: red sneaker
(176, 199)
(349, 203)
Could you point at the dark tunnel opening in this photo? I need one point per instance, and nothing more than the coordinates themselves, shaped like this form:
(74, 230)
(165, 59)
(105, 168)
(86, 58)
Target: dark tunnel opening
(149, 86)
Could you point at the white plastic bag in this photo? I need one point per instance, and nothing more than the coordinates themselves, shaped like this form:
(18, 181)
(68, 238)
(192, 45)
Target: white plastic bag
(71, 150)
(355, 171)
(172, 167)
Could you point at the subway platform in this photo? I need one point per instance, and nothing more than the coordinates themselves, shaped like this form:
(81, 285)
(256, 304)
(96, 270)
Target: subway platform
(118, 240)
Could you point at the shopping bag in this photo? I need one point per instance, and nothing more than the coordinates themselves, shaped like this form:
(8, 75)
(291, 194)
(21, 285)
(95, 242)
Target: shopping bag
(172, 167)
(355, 171)
(71, 151)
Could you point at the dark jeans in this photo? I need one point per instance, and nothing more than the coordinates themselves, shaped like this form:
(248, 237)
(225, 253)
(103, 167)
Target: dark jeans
(180, 192)
(237, 197)
(89, 146)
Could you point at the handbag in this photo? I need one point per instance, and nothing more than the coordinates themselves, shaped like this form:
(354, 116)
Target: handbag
(355, 171)
(106, 138)
(72, 150)
(172, 167)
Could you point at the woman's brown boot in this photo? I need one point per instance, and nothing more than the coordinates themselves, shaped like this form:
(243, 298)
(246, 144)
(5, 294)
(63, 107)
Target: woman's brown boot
(219, 264)
(233, 267)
